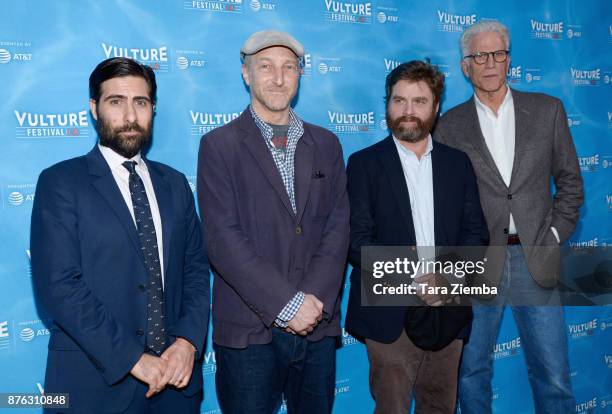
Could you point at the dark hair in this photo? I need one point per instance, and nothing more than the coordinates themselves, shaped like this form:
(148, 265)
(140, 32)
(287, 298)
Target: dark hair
(118, 67)
(415, 71)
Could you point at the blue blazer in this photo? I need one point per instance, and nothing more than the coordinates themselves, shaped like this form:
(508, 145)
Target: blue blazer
(89, 275)
(381, 215)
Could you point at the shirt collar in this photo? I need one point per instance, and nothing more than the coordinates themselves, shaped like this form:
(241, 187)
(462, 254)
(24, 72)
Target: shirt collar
(296, 125)
(428, 149)
(115, 160)
(507, 100)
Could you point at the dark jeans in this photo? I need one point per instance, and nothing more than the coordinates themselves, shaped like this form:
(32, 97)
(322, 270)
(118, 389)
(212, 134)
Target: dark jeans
(253, 379)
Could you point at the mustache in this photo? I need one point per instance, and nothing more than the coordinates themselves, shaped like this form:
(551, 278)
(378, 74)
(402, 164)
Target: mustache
(408, 118)
(130, 127)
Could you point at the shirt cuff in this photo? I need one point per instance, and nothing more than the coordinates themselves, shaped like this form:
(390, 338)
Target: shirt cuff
(554, 230)
(290, 310)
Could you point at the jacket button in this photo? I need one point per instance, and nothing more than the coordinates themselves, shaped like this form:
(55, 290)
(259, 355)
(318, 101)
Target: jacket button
(298, 230)
(140, 332)
(506, 231)
(509, 196)
(142, 287)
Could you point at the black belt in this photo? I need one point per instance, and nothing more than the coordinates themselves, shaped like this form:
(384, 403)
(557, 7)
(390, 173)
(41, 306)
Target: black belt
(513, 239)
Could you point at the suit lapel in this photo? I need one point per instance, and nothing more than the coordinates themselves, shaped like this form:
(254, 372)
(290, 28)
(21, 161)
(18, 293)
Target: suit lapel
(104, 182)
(478, 140)
(163, 195)
(392, 166)
(521, 133)
(439, 192)
(303, 173)
(255, 144)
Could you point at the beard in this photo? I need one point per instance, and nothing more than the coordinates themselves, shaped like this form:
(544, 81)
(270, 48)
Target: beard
(126, 146)
(415, 133)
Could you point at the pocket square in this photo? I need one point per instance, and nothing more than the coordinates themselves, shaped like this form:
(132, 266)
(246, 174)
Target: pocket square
(318, 174)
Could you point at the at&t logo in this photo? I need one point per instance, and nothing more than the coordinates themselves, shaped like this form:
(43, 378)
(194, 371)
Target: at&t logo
(574, 31)
(16, 52)
(18, 194)
(190, 59)
(257, 6)
(574, 120)
(29, 330)
(15, 198)
(533, 75)
(182, 62)
(5, 56)
(387, 15)
(329, 65)
(27, 334)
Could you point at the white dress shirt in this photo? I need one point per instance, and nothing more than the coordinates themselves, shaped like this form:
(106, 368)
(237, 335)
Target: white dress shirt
(418, 174)
(499, 134)
(498, 131)
(122, 178)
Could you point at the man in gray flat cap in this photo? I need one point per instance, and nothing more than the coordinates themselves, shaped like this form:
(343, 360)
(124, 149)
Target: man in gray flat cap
(272, 192)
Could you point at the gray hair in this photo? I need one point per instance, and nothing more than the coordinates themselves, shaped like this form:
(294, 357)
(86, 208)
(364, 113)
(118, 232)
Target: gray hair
(486, 26)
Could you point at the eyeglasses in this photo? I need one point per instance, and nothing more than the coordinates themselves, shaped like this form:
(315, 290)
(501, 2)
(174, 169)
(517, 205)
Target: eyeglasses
(480, 58)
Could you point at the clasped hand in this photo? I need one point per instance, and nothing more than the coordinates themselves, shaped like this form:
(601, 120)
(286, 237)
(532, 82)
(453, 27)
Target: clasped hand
(174, 367)
(307, 317)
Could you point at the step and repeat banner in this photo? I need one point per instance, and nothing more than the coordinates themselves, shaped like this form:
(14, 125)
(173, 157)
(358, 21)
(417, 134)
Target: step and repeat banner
(49, 48)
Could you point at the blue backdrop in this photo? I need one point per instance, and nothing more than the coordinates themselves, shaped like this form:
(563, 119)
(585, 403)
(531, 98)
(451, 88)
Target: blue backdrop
(48, 49)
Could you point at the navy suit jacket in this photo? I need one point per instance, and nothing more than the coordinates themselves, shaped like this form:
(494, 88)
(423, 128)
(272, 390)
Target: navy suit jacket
(89, 275)
(262, 253)
(381, 216)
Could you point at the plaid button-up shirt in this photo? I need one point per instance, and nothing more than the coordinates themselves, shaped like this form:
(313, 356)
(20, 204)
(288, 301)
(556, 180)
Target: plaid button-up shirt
(284, 161)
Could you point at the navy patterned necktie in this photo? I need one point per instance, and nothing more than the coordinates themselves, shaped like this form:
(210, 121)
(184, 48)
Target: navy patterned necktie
(156, 336)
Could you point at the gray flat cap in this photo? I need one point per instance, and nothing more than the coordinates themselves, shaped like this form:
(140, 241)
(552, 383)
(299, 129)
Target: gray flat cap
(268, 38)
